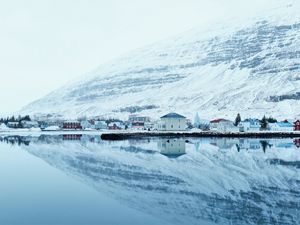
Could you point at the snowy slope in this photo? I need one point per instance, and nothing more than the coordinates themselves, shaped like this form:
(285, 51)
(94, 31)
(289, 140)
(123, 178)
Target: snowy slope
(224, 187)
(249, 66)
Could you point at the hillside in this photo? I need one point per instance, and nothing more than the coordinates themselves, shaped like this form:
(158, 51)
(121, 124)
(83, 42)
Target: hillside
(250, 66)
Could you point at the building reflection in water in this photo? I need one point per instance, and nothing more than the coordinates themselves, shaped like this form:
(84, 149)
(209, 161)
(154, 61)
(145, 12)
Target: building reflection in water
(214, 186)
(72, 137)
(171, 148)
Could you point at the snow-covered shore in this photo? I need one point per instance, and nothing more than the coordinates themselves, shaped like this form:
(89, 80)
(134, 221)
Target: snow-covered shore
(145, 133)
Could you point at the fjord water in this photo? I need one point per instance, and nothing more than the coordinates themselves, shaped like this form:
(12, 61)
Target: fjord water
(81, 179)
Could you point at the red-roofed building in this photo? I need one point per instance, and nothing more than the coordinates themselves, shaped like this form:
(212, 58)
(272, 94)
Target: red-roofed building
(213, 124)
(222, 125)
(72, 125)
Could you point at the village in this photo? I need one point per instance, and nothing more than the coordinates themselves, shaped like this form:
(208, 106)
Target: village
(170, 122)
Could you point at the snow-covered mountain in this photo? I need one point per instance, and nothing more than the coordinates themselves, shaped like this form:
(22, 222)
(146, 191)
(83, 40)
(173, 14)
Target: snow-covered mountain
(250, 66)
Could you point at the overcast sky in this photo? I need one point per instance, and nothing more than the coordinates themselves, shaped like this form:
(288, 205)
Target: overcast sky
(46, 43)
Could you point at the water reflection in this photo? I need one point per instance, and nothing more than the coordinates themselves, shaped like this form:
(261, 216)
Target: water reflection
(223, 181)
(171, 148)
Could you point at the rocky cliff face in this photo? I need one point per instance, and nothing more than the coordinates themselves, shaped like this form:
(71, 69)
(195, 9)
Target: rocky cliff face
(251, 67)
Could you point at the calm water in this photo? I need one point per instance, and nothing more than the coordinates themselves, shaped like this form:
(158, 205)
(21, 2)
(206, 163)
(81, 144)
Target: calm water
(80, 179)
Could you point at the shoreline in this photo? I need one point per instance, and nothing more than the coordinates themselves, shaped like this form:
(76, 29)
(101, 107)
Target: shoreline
(124, 135)
(135, 135)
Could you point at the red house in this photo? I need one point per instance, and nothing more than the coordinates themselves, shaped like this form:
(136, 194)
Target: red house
(297, 125)
(72, 125)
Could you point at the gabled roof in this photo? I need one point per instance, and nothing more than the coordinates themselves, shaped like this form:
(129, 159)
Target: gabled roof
(173, 115)
(218, 120)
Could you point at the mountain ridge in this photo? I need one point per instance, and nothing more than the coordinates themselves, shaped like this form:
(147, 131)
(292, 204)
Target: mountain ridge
(217, 73)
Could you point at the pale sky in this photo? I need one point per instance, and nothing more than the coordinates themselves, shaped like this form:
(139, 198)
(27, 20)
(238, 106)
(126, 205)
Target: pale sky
(46, 43)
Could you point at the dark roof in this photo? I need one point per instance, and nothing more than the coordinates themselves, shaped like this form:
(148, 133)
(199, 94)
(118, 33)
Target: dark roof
(218, 120)
(172, 115)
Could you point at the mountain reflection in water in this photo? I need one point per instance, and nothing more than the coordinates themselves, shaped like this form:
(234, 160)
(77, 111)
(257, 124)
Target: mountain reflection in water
(223, 181)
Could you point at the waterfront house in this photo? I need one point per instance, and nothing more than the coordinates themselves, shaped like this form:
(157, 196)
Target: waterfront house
(72, 125)
(138, 122)
(227, 126)
(284, 126)
(172, 122)
(13, 124)
(249, 125)
(213, 124)
(222, 125)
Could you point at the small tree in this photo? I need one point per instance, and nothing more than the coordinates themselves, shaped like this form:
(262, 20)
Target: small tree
(271, 120)
(237, 120)
(263, 123)
(27, 118)
(197, 120)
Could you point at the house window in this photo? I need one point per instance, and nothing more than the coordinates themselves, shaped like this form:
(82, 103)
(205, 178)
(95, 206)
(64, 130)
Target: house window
(171, 126)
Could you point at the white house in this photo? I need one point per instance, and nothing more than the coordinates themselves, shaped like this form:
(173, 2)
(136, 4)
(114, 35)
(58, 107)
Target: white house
(213, 124)
(249, 125)
(172, 122)
(222, 125)
(13, 124)
(281, 126)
